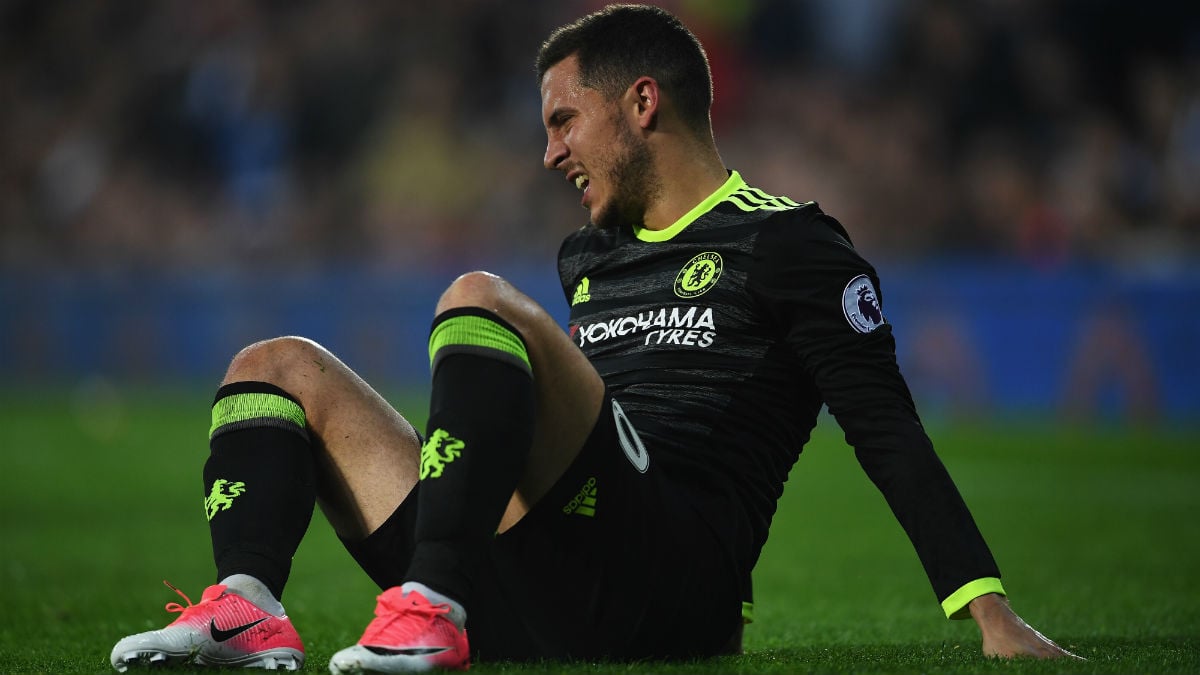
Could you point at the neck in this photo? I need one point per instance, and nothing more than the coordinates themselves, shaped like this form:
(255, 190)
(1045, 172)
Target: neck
(689, 173)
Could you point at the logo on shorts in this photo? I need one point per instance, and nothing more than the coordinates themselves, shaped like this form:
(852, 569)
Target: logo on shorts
(438, 451)
(860, 304)
(222, 495)
(631, 443)
(699, 275)
(584, 501)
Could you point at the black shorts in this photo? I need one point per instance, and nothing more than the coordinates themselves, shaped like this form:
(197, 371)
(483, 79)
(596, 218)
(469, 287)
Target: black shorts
(615, 562)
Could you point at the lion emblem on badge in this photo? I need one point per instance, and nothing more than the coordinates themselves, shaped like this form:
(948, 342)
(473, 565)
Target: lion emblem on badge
(868, 304)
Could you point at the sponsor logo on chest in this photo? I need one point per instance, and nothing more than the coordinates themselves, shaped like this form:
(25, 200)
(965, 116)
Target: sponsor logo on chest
(684, 326)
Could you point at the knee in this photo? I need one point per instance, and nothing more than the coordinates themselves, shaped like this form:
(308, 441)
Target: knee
(275, 360)
(477, 289)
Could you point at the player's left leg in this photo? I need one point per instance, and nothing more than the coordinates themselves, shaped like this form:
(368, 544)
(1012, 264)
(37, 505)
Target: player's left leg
(512, 401)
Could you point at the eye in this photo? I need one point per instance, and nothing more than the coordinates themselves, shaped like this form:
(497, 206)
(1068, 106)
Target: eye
(560, 119)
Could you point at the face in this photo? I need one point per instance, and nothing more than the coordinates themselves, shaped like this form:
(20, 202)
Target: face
(589, 139)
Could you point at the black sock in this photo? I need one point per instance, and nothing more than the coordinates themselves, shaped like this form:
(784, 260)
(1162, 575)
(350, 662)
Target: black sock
(478, 438)
(259, 488)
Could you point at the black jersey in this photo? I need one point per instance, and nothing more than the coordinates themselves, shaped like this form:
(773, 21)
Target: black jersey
(722, 336)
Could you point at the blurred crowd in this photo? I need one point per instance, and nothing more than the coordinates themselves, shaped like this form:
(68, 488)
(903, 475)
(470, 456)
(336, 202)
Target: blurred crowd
(180, 136)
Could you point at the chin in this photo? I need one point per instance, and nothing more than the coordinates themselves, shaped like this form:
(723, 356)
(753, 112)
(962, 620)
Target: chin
(598, 218)
(602, 221)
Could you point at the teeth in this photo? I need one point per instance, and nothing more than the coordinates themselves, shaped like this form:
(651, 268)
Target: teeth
(581, 181)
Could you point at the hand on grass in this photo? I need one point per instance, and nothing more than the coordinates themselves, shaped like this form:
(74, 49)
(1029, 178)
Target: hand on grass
(1006, 635)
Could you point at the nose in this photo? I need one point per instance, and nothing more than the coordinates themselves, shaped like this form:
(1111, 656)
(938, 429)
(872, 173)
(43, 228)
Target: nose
(556, 152)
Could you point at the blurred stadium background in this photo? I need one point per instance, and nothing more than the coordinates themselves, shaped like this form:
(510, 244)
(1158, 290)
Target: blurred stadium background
(179, 178)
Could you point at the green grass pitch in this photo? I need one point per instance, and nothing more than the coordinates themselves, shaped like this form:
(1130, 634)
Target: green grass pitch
(1097, 531)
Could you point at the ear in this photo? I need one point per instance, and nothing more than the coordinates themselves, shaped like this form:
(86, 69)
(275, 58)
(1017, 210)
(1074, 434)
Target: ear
(645, 94)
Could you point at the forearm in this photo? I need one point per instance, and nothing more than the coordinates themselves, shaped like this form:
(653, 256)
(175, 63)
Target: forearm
(933, 514)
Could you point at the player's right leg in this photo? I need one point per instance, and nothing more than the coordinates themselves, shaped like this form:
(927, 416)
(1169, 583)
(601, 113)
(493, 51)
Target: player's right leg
(291, 425)
(224, 629)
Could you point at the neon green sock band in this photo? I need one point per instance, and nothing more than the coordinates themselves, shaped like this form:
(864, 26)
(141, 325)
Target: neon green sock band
(476, 331)
(239, 411)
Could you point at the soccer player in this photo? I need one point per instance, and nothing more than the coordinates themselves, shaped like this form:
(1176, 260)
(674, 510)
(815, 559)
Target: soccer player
(598, 493)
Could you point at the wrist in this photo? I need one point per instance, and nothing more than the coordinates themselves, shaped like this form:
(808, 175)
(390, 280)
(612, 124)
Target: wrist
(956, 605)
(986, 607)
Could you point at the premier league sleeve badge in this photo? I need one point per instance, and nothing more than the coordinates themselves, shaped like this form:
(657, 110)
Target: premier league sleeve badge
(860, 304)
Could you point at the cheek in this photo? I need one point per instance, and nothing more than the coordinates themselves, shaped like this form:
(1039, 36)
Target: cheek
(598, 146)
(604, 159)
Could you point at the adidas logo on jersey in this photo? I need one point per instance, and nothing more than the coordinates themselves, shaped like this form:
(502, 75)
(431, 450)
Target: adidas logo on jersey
(582, 292)
(584, 501)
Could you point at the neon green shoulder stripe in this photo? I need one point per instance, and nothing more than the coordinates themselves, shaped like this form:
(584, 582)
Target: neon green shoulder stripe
(732, 184)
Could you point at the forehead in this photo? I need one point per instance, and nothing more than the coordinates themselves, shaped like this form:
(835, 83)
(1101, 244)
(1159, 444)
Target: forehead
(562, 88)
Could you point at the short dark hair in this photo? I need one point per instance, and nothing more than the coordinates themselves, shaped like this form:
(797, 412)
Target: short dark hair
(620, 43)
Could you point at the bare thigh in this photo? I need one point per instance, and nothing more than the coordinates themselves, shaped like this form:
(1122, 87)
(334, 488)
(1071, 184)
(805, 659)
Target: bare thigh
(367, 452)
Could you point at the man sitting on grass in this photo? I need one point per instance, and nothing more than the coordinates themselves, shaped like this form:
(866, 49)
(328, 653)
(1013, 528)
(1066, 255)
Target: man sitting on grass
(600, 493)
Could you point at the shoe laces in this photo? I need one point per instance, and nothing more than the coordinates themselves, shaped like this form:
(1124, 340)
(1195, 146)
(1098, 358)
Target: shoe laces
(408, 613)
(412, 601)
(211, 594)
(175, 606)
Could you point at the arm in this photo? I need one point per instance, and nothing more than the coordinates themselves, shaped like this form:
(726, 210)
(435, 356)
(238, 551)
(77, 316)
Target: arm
(852, 362)
(853, 365)
(927, 504)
